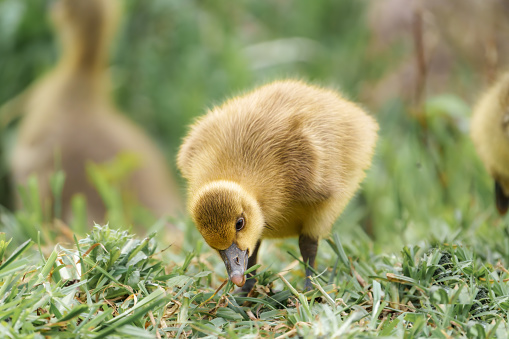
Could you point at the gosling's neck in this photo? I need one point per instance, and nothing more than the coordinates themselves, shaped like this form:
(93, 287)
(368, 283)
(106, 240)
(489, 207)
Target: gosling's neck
(83, 59)
(82, 69)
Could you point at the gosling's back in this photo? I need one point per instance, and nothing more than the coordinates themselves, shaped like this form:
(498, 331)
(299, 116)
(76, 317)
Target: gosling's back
(292, 145)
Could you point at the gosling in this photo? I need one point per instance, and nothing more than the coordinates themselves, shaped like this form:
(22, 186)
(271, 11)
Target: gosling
(69, 115)
(280, 161)
(490, 133)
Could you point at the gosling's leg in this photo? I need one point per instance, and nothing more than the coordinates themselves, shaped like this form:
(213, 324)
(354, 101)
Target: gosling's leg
(308, 247)
(501, 199)
(248, 286)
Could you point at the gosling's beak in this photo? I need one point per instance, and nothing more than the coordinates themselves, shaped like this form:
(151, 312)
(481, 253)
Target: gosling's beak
(235, 261)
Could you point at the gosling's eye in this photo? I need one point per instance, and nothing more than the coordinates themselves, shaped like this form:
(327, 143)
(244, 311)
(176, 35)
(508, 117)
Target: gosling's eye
(240, 224)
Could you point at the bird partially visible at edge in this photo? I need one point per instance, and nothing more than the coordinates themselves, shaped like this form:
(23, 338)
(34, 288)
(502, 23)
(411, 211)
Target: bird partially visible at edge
(489, 130)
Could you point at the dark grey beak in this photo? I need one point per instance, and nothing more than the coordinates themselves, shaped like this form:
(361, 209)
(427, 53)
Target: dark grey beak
(235, 261)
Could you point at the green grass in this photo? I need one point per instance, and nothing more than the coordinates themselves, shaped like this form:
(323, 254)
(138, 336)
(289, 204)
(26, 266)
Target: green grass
(111, 283)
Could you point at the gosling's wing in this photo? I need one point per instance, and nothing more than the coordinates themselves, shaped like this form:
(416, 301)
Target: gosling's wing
(502, 201)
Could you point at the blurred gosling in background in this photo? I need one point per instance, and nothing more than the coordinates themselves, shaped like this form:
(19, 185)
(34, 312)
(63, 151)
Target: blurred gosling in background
(490, 134)
(69, 116)
(281, 161)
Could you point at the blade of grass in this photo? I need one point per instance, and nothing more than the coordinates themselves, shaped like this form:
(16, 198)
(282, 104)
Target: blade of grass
(17, 252)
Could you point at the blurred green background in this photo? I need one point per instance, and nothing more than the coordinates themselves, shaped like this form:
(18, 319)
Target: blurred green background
(172, 60)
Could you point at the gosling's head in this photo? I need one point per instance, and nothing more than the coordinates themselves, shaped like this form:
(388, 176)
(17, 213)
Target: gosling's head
(230, 220)
(85, 24)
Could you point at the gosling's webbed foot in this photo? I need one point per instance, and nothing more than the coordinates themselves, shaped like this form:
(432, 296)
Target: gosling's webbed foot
(308, 285)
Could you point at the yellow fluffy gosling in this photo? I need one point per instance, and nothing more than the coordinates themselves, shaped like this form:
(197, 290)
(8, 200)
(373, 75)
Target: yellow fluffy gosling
(280, 161)
(490, 134)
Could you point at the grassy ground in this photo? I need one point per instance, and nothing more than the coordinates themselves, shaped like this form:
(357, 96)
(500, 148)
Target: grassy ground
(419, 252)
(113, 284)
